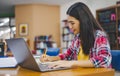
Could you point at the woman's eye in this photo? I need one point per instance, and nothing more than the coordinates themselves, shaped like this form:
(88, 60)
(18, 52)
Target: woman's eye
(72, 23)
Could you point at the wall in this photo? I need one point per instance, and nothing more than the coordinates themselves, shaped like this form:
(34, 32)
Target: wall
(42, 20)
(92, 4)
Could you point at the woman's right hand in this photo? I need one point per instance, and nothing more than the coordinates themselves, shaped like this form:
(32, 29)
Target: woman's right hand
(46, 58)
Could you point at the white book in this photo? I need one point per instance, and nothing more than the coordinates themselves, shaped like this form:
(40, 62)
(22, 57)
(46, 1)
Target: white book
(8, 62)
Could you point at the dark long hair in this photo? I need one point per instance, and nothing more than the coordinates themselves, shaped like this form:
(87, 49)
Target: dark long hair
(88, 25)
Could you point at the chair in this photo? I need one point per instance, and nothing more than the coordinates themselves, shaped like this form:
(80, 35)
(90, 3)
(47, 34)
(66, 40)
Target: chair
(115, 59)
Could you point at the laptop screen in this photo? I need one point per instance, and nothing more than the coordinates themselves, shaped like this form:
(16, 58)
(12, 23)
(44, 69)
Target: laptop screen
(22, 53)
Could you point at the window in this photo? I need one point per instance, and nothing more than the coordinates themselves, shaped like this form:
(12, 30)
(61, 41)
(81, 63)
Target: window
(7, 27)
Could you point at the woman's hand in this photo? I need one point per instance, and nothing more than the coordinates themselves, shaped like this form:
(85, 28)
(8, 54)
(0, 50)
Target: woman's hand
(46, 58)
(61, 64)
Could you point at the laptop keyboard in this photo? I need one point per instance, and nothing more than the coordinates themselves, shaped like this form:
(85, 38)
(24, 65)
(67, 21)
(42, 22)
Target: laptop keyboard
(44, 67)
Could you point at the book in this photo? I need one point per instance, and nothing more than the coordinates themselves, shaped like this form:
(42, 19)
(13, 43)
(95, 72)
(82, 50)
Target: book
(8, 62)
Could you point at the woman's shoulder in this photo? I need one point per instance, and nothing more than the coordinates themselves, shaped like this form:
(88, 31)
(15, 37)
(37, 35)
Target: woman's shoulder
(100, 33)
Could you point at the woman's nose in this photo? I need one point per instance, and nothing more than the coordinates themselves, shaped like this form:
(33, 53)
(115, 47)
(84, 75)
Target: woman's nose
(70, 26)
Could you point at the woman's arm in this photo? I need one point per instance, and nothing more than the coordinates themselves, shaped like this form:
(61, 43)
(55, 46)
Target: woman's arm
(71, 64)
(68, 55)
(101, 56)
(82, 63)
(47, 58)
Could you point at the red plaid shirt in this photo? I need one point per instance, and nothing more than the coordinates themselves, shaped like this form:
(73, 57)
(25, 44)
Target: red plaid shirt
(99, 55)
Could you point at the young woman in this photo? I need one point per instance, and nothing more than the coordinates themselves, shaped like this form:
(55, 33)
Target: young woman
(90, 46)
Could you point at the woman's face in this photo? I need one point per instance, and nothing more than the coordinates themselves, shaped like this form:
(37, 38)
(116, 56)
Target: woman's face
(74, 24)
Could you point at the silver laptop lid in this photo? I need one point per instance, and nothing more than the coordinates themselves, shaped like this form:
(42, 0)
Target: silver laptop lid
(22, 53)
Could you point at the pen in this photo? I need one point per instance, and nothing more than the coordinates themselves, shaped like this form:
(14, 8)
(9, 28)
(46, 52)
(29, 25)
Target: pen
(45, 52)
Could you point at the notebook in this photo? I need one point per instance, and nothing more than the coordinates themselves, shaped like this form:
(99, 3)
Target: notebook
(25, 58)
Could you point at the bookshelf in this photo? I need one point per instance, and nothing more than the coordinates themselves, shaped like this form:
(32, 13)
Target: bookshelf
(42, 42)
(109, 19)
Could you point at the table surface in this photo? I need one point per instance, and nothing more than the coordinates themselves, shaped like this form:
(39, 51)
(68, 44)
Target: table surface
(69, 72)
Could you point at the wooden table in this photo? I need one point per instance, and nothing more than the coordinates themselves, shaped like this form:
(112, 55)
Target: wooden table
(70, 72)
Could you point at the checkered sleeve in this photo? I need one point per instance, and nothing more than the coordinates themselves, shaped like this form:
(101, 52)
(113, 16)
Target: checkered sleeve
(101, 55)
(69, 51)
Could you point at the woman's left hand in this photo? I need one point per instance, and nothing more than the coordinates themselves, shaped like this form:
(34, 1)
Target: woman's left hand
(61, 64)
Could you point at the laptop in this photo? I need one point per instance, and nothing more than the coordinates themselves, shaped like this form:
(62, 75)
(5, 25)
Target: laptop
(24, 56)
